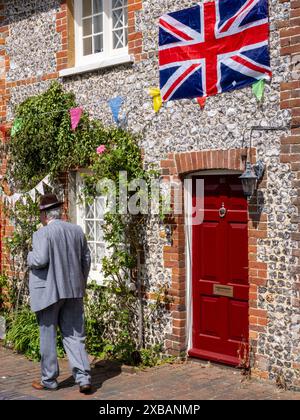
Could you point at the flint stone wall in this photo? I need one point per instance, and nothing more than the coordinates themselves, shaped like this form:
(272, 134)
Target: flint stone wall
(182, 126)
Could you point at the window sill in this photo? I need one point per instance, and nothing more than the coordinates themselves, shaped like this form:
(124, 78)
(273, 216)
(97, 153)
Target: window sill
(108, 62)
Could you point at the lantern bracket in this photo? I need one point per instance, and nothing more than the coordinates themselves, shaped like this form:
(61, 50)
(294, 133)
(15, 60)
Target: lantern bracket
(259, 169)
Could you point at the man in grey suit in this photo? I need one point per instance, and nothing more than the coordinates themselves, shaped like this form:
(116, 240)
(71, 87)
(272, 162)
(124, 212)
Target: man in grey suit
(59, 266)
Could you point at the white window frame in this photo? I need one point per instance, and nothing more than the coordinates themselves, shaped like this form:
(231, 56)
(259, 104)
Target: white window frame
(108, 51)
(94, 275)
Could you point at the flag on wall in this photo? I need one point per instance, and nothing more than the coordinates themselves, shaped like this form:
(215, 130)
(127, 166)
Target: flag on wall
(213, 47)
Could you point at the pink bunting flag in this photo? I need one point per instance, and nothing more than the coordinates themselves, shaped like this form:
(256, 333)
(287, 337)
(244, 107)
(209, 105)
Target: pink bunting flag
(201, 101)
(75, 117)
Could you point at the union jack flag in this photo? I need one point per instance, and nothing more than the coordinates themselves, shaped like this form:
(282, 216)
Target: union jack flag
(213, 47)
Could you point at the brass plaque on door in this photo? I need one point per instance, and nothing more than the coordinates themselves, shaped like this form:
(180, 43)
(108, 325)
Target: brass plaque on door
(222, 290)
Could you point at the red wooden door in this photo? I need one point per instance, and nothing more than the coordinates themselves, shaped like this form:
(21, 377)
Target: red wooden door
(220, 258)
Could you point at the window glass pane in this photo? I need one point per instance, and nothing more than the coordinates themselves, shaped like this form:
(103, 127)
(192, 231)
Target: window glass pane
(92, 248)
(100, 202)
(119, 3)
(98, 24)
(98, 6)
(98, 44)
(118, 18)
(86, 8)
(89, 208)
(99, 232)
(118, 39)
(90, 230)
(87, 27)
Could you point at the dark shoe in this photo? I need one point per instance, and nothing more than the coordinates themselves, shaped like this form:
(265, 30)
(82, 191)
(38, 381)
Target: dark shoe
(85, 389)
(40, 387)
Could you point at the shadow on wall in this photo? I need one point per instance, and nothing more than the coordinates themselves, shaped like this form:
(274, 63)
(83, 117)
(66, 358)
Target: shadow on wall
(256, 208)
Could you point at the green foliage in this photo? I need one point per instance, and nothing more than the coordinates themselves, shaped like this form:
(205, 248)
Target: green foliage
(45, 144)
(24, 336)
(26, 220)
(6, 295)
(101, 313)
(151, 356)
(23, 333)
(95, 308)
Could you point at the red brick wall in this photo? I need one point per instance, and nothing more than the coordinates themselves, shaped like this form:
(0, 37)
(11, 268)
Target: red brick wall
(4, 96)
(135, 38)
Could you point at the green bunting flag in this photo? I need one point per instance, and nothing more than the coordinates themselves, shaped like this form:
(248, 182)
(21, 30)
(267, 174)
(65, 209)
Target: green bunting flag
(16, 127)
(258, 89)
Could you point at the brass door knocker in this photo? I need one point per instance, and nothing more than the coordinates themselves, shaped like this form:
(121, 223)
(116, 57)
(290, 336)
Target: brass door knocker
(222, 211)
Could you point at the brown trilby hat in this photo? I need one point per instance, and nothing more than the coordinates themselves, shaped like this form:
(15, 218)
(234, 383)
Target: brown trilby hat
(49, 201)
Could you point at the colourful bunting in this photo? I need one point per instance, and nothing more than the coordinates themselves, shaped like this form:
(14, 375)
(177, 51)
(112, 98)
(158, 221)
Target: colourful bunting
(13, 199)
(32, 195)
(16, 127)
(75, 114)
(115, 106)
(157, 100)
(258, 89)
(40, 188)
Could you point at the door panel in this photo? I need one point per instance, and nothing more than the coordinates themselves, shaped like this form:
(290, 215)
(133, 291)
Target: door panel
(220, 287)
(238, 320)
(209, 316)
(209, 244)
(237, 246)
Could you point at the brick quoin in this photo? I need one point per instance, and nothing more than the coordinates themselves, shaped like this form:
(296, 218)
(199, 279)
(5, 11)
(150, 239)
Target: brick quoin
(6, 229)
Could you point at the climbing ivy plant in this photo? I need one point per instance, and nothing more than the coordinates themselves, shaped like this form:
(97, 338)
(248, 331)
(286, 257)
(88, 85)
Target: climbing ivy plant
(45, 144)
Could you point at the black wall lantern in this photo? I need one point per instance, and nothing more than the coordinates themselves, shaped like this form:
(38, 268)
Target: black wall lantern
(253, 173)
(251, 176)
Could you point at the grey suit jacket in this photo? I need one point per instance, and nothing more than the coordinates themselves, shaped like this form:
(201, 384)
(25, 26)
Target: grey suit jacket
(59, 264)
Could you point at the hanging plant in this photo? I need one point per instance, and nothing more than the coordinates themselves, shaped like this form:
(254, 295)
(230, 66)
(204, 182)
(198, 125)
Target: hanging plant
(43, 142)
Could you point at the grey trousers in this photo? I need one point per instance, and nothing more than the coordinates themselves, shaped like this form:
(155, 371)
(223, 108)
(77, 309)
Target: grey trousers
(68, 315)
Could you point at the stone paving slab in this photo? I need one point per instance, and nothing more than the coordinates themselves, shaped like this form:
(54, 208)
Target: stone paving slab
(191, 380)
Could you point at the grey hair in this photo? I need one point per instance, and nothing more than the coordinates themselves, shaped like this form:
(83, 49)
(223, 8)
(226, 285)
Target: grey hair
(53, 213)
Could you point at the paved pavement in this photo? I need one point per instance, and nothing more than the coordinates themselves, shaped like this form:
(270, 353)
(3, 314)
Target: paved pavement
(192, 380)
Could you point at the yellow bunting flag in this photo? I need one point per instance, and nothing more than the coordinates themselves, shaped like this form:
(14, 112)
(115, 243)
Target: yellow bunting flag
(157, 100)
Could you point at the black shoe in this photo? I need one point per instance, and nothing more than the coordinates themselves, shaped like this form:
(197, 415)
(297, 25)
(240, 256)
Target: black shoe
(85, 389)
(40, 387)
